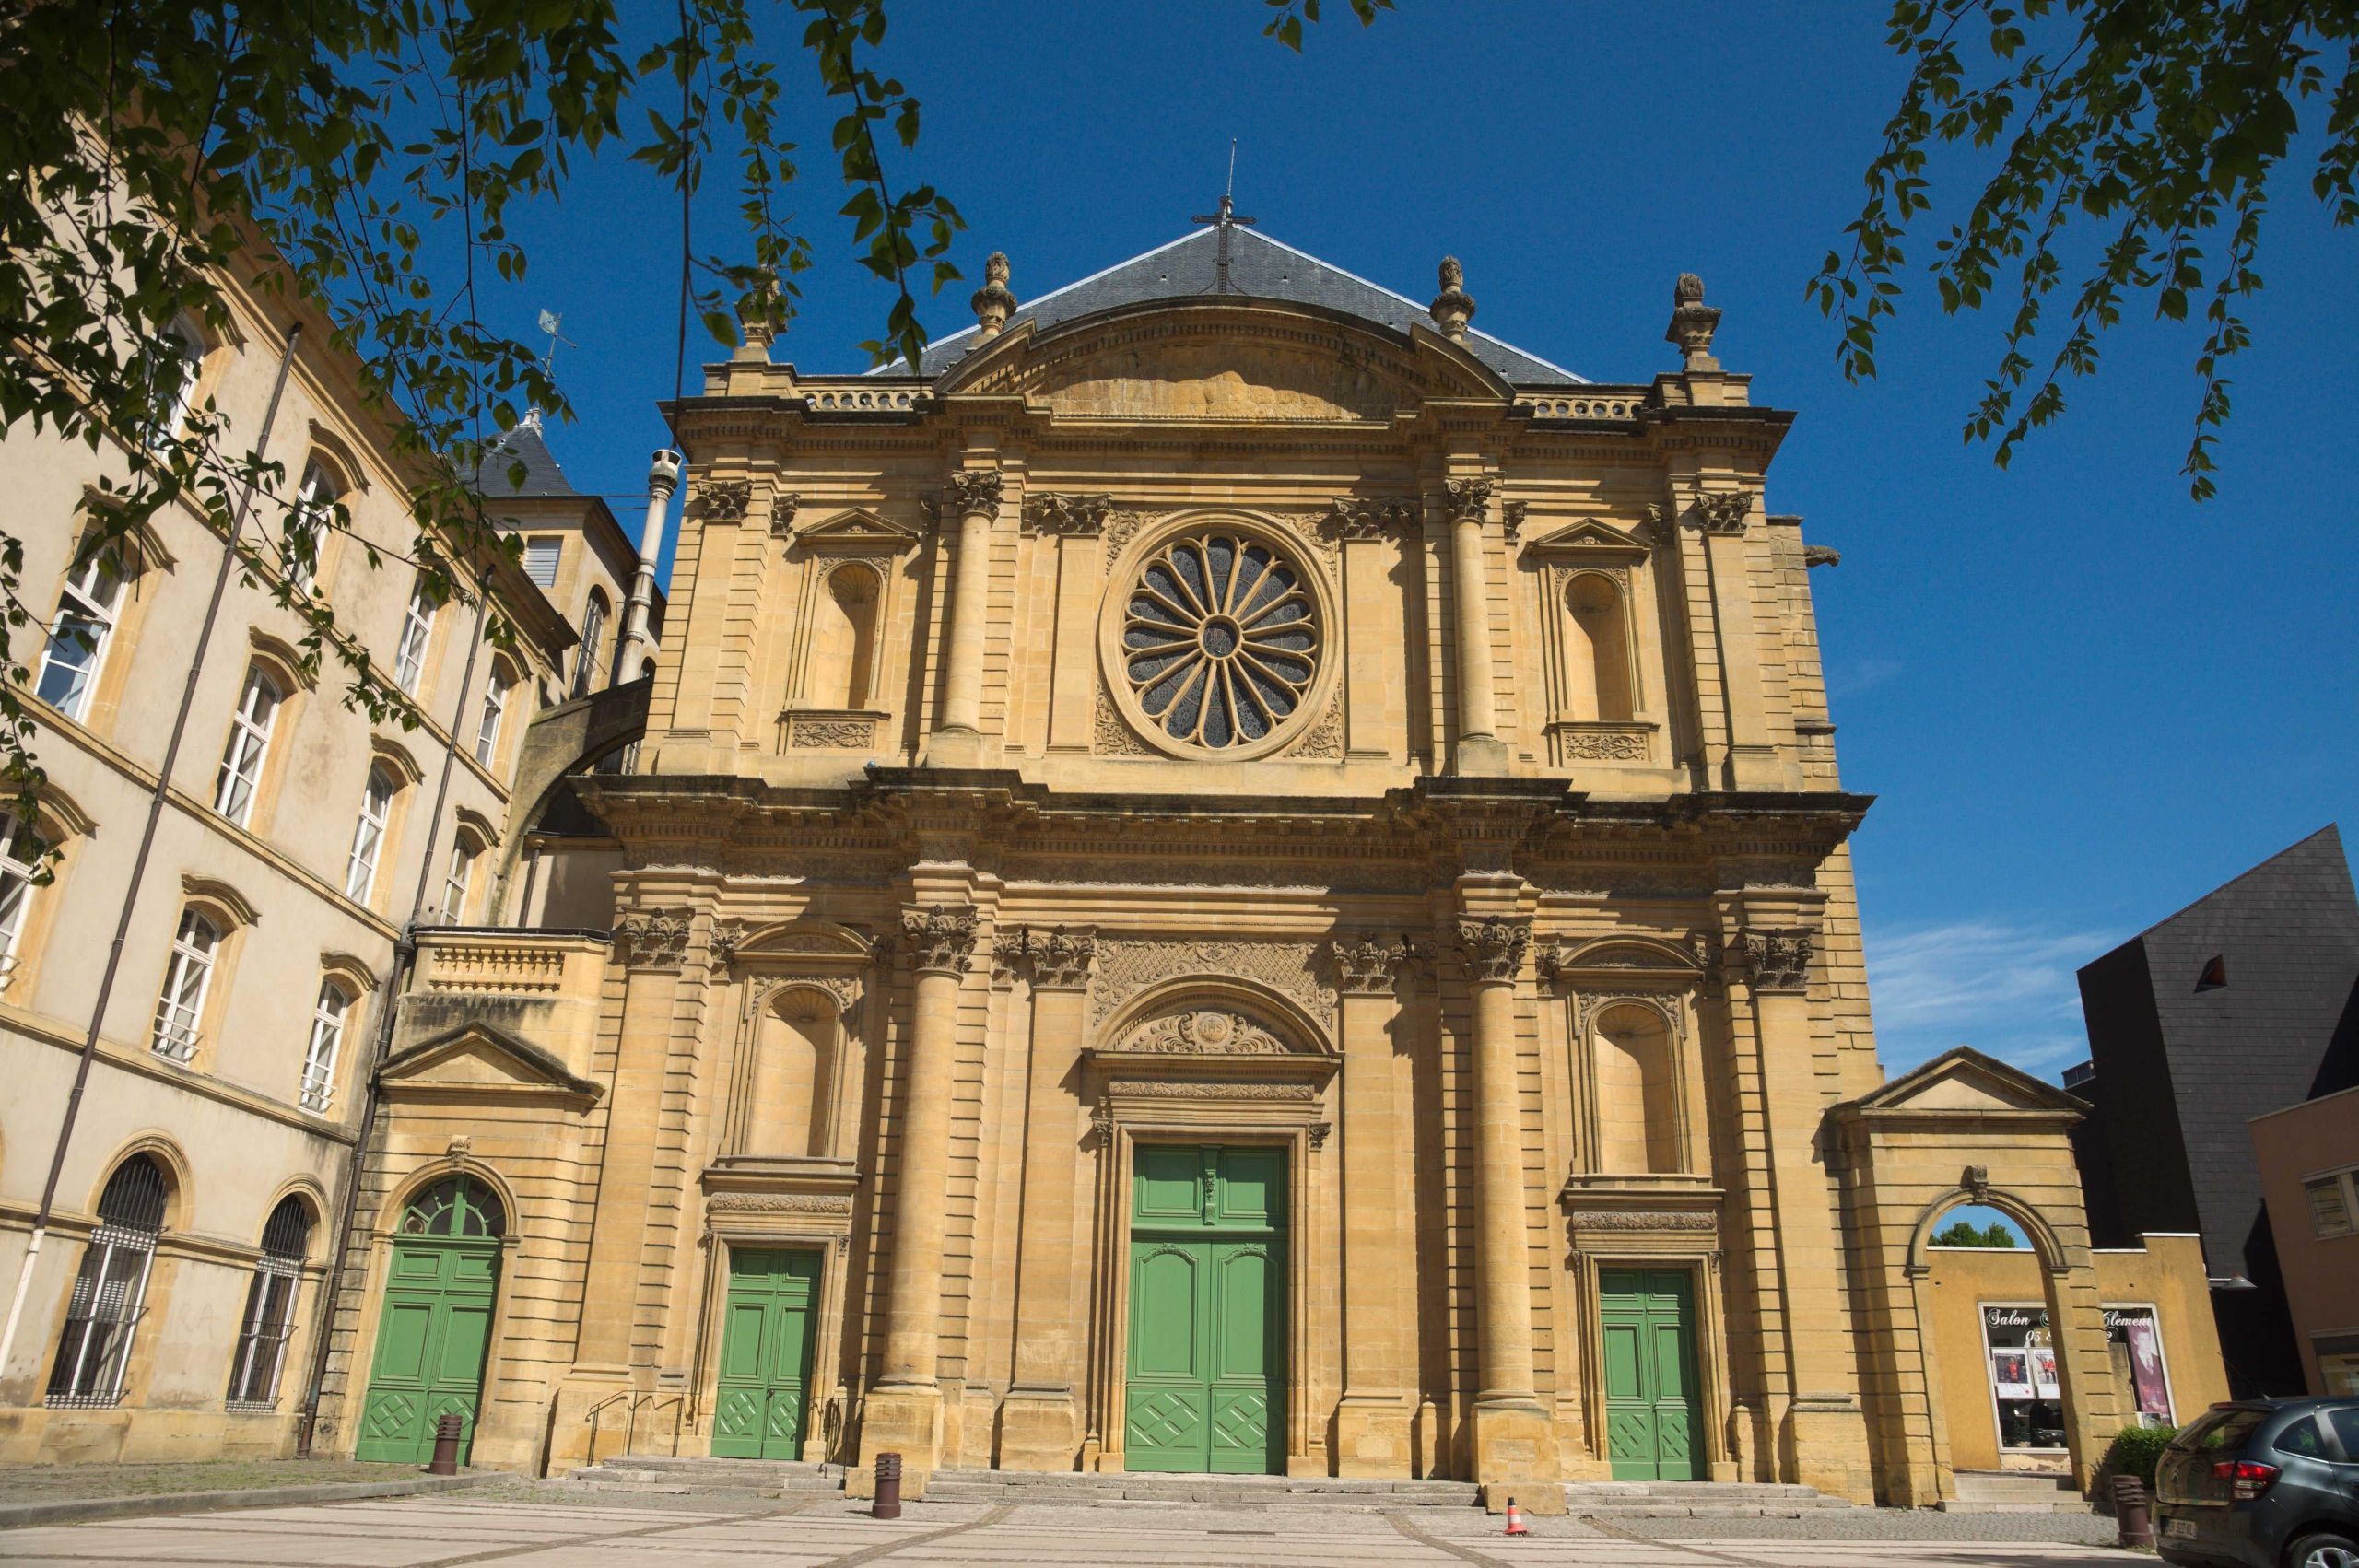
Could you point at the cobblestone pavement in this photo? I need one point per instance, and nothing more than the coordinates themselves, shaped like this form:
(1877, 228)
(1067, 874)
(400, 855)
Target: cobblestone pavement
(463, 1531)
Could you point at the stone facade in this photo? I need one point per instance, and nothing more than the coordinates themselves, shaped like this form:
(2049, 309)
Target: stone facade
(1208, 717)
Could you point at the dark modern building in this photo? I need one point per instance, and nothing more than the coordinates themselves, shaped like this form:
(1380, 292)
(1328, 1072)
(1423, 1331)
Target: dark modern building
(2245, 1001)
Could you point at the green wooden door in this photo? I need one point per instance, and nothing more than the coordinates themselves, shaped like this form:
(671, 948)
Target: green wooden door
(765, 1355)
(1651, 1419)
(1206, 1379)
(431, 1344)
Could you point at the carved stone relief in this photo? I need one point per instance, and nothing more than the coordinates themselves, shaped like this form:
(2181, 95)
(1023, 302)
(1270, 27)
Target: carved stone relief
(1777, 961)
(722, 500)
(1112, 735)
(1494, 947)
(1627, 1219)
(653, 939)
(1325, 738)
(1203, 1031)
(1366, 967)
(1066, 515)
(941, 936)
(974, 490)
(780, 1203)
(1351, 519)
(1127, 966)
(830, 732)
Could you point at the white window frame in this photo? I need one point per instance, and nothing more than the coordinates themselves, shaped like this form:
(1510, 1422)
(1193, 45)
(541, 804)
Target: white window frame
(105, 1387)
(16, 874)
(260, 1333)
(241, 760)
(186, 344)
(495, 706)
(2346, 1182)
(326, 1045)
(369, 834)
(314, 505)
(418, 631)
(187, 982)
(95, 615)
(458, 880)
(544, 557)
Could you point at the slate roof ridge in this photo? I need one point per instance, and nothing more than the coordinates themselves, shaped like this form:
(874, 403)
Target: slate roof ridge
(2331, 832)
(942, 352)
(522, 442)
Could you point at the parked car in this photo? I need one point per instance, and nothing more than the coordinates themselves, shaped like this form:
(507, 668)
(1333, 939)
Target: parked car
(2262, 1483)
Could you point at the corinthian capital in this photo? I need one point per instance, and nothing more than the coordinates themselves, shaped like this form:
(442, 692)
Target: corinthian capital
(1468, 498)
(1776, 961)
(1494, 947)
(975, 490)
(1367, 968)
(941, 937)
(1061, 960)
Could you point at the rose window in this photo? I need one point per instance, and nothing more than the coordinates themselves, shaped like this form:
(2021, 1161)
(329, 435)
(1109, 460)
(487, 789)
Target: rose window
(1220, 640)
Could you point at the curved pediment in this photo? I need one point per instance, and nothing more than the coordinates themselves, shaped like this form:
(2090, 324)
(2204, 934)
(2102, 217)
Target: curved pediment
(1229, 363)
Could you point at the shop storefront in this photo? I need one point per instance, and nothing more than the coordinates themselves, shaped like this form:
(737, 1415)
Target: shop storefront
(2020, 1354)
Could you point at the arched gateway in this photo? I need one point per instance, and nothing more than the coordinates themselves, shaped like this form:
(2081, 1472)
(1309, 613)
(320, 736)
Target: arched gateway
(1228, 874)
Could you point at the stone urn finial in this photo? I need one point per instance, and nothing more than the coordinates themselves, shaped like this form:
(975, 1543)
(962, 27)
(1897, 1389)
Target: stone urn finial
(758, 315)
(992, 302)
(1454, 307)
(1692, 323)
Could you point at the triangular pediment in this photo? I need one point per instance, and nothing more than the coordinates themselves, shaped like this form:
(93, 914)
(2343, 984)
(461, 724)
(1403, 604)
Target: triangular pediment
(1963, 1080)
(478, 1060)
(858, 527)
(1204, 362)
(1589, 539)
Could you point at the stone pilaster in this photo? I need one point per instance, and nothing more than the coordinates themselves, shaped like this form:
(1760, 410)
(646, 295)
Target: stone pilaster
(1514, 1444)
(1372, 1423)
(1041, 1419)
(974, 496)
(1479, 748)
(904, 1410)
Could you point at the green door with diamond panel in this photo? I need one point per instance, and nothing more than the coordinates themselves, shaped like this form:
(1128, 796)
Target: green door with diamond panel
(765, 1355)
(1206, 1371)
(1648, 1321)
(436, 1327)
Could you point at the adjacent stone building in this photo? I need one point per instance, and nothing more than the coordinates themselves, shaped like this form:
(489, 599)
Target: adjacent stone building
(1228, 875)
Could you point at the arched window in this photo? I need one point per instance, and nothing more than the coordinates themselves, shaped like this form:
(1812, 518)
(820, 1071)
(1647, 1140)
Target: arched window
(77, 650)
(249, 727)
(1597, 650)
(456, 1206)
(111, 1291)
(792, 1069)
(1637, 1118)
(19, 854)
(182, 1008)
(307, 525)
(417, 630)
(843, 638)
(269, 1320)
(459, 875)
(593, 631)
(369, 834)
(326, 1045)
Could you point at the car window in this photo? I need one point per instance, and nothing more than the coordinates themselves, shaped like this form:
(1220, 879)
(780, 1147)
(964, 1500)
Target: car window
(2218, 1431)
(2346, 1427)
(2301, 1437)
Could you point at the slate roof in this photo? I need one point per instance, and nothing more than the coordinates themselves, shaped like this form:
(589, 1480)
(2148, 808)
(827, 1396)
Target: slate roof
(1259, 268)
(524, 444)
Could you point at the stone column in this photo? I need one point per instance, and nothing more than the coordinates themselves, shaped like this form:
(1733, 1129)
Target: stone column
(958, 739)
(1372, 1436)
(1479, 748)
(1515, 1449)
(1824, 1436)
(903, 1410)
(1041, 1419)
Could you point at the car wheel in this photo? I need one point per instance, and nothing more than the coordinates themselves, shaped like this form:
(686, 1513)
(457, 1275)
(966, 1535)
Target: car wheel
(2324, 1551)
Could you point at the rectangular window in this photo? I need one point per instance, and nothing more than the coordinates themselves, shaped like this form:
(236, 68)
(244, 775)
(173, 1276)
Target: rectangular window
(78, 636)
(368, 836)
(2331, 1202)
(327, 1043)
(182, 1007)
(109, 1295)
(307, 528)
(417, 626)
(455, 882)
(495, 703)
(233, 795)
(263, 1334)
(17, 870)
(541, 557)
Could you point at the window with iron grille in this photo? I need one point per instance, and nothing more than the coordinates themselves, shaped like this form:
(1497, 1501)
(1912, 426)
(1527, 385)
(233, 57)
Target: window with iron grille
(182, 1006)
(110, 1292)
(269, 1321)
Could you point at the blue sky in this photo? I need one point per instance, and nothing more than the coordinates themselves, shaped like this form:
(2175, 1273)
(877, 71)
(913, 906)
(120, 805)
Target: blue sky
(2083, 699)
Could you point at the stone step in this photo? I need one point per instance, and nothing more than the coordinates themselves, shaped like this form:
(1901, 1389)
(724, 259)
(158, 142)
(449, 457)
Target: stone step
(2014, 1492)
(1081, 1487)
(1614, 1493)
(664, 1472)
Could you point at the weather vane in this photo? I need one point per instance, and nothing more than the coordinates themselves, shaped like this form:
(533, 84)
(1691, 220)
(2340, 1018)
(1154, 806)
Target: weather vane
(550, 322)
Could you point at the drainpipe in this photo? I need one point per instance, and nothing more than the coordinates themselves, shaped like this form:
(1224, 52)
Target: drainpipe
(396, 983)
(662, 478)
(139, 861)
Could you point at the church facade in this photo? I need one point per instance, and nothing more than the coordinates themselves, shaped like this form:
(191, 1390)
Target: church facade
(1228, 874)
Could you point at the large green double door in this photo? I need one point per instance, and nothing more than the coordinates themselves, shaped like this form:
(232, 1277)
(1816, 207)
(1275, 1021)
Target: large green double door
(758, 1412)
(430, 1345)
(1648, 1322)
(1207, 1384)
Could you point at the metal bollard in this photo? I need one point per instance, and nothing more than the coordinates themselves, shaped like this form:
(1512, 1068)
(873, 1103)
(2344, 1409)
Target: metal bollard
(2131, 1513)
(888, 1488)
(446, 1445)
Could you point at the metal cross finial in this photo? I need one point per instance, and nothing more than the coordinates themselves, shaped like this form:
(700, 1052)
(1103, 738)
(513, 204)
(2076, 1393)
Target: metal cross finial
(1223, 221)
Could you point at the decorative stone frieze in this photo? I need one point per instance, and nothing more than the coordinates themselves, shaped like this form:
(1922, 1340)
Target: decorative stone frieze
(1775, 960)
(830, 732)
(780, 1203)
(1492, 948)
(1366, 967)
(1128, 965)
(653, 939)
(974, 490)
(1066, 516)
(1207, 1089)
(1352, 519)
(941, 937)
(1203, 1031)
(1626, 1221)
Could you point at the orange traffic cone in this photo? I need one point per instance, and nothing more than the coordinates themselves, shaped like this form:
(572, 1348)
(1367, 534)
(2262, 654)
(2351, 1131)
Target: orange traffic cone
(1515, 1519)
